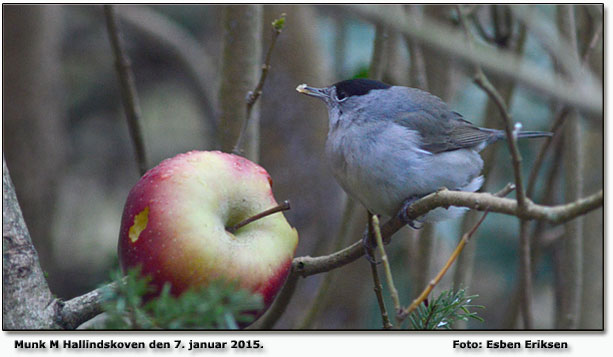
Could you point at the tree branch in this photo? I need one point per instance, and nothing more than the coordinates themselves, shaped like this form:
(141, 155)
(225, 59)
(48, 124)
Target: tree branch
(378, 289)
(27, 302)
(571, 257)
(166, 33)
(268, 320)
(386, 266)
(504, 63)
(516, 42)
(479, 201)
(512, 131)
(320, 297)
(241, 56)
(403, 313)
(128, 88)
(387, 325)
(253, 96)
(559, 118)
(377, 61)
(80, 309)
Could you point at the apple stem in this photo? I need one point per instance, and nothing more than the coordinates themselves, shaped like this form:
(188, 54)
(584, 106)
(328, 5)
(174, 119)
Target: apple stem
(282, 207)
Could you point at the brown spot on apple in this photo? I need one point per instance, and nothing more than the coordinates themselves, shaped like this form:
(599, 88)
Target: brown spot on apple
(140, 223)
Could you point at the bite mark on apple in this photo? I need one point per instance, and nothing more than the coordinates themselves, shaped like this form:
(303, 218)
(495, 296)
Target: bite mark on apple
(140, 223)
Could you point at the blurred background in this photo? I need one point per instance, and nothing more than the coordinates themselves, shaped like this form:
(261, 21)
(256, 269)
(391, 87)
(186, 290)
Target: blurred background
(69, 152)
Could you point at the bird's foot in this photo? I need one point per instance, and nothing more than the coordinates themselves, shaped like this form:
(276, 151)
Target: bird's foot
(369, 247)
(416, 223)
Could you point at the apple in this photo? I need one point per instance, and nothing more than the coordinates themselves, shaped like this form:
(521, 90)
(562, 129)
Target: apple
(177, 220)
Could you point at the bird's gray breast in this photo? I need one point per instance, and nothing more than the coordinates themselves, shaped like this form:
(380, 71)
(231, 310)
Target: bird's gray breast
(375, 163)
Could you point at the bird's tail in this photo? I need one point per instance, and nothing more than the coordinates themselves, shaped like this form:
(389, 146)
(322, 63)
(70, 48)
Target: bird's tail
(501, 134)
(533, 134)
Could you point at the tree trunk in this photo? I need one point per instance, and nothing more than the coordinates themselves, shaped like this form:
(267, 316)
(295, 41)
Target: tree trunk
(26, 296)
(34, 137)
(240, 70)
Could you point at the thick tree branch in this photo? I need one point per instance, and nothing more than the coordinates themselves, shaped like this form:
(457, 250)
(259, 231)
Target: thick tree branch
(27, 302)
(571, 254)
(72, 313)
(241, 55)
(306, 266)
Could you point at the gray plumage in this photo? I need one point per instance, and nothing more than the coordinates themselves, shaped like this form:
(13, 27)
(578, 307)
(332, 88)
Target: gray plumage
(389, 143)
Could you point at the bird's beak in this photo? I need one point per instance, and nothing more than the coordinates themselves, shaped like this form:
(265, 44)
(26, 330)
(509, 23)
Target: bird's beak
(313, 92)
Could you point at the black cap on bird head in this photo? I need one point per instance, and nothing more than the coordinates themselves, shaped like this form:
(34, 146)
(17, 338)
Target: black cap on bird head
(356, 87)
(344, 89)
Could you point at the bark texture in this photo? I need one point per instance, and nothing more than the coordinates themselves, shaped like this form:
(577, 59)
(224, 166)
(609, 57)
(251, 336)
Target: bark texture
(27, 302)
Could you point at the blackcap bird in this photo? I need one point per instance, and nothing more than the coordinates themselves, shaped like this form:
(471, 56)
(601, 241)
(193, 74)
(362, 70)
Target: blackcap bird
(389, 145)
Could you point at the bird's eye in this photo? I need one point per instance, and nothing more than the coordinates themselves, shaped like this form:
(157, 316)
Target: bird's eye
(340, 96)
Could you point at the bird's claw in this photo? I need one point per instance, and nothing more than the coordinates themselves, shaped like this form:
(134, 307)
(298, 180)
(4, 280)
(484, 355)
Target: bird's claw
(417, 223)
(369, 248)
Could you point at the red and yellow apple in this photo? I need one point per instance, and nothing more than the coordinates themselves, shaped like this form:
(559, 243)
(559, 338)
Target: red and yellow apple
(175, 221)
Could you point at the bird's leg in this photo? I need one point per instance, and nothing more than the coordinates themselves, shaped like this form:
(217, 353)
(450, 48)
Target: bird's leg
(413, 223)
(368, 241)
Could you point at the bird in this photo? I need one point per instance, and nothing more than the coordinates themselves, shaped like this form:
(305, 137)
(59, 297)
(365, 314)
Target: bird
(388, 146)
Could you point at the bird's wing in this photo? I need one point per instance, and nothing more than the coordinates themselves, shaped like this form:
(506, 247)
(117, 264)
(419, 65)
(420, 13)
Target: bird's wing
(443, 130)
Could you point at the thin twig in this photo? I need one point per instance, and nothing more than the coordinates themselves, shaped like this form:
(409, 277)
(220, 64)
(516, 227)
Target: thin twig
(482, 81)
(593, 42)
(128, 88)
(403, 313)
(377, 67)
(512, 131)
(464, 267)
(375, 277)
(552, 177)
(378, 292)
(540, 157)
(284, 206)
(171, 37)
(525, 274)
(253, 96)
(561, 48)
(386, 264)
(504, 63)
(559, 118)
